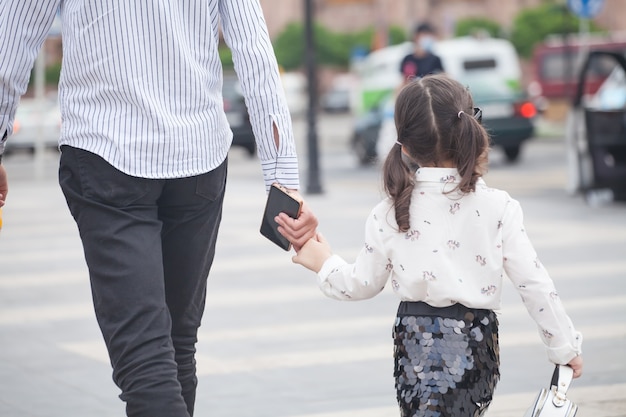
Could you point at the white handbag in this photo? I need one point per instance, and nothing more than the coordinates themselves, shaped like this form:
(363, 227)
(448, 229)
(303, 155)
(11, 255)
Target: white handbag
(553, 402)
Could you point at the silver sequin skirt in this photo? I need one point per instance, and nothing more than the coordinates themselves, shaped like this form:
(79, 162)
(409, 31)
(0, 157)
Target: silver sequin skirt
(446, 361)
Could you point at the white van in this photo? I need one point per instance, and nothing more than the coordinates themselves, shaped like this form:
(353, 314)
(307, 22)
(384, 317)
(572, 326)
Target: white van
(489, 67)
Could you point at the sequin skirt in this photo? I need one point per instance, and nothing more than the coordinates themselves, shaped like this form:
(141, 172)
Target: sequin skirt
(446, 363)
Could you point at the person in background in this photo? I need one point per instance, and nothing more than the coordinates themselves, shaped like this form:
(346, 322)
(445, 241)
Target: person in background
(445, 240)
(422, 61)
(144, 144)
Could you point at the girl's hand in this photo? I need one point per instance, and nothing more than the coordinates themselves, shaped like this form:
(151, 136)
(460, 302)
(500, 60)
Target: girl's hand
(314, 253)
(577, 365)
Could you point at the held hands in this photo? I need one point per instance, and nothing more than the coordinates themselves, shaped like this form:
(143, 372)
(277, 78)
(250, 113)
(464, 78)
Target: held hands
(311, 247)
(314, 253)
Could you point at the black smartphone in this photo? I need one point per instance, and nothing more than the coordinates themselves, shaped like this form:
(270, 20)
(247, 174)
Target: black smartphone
(278, 201)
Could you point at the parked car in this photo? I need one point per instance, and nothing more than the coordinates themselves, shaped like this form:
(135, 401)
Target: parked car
(489, 67)
(35, 119)
(295, 88)
(336, 100)
(596, 132)
(237, 114)
(507, 114)
(556, 69)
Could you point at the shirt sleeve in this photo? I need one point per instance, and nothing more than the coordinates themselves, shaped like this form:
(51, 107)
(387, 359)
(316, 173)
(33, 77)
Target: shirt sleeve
(245, 32)
(366, 277)
(537, 289)
(24, 26)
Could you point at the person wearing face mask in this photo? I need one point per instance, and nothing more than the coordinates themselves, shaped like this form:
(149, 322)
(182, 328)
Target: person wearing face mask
(422, 61)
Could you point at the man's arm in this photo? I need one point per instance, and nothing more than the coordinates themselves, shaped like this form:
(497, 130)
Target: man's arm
(245, 32)
(24, 26)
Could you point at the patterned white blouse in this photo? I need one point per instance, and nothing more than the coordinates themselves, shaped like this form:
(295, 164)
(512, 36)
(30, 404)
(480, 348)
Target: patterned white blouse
(457, 250)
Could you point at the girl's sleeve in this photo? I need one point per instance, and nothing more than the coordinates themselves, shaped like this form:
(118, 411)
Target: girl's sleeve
(537, 289)
(367, 276)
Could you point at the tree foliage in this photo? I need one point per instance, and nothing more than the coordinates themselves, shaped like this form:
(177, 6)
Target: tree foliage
(531, 26)
(470, 26)
(332, 48)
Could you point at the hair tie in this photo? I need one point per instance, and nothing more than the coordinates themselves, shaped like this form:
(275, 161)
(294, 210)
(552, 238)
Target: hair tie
(460, 113)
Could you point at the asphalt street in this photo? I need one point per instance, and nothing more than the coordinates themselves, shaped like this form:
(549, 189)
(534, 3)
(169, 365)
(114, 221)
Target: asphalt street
(271, 344)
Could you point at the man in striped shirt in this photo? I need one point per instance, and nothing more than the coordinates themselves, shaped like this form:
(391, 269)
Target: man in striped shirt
(144, 144)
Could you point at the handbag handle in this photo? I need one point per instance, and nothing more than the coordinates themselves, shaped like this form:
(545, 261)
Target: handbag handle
(561, 380)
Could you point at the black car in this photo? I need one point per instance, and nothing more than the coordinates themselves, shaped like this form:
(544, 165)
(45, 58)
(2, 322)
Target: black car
(596, 132)
(237, 115)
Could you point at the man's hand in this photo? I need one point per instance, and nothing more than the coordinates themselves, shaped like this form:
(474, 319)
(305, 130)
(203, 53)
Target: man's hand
(298, 231)
(4, 185)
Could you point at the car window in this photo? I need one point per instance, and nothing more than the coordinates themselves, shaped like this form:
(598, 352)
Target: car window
(612, 93)
(483, 85)
(479, 64)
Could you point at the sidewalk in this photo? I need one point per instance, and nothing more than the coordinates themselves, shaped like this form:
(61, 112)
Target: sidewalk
(271, 345)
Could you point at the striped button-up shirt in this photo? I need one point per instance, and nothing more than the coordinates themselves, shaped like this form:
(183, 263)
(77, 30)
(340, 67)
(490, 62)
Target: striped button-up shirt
(141, 81)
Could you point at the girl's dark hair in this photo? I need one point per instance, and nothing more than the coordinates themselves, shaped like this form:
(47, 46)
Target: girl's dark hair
(433, 132)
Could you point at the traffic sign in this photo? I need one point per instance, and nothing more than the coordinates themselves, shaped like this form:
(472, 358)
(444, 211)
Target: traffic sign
(586, 9)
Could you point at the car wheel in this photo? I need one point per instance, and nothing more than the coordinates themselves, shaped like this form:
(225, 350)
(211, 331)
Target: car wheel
(251, 150)
(512, 153)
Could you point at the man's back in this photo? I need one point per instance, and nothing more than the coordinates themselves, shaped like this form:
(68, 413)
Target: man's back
(420, 66)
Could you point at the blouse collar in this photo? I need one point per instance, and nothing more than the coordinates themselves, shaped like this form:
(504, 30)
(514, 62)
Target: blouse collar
(439, 175)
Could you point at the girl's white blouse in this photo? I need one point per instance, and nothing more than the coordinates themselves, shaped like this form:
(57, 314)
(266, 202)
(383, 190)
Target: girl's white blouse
(457, 250)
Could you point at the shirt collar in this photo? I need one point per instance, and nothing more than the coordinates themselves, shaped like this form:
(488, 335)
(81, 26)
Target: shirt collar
(440, 175)
(436, 174)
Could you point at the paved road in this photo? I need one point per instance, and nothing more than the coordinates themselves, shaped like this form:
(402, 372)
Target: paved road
(271, 345)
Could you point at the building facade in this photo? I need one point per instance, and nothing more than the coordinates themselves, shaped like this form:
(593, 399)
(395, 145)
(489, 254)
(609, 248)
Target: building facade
(351, 15)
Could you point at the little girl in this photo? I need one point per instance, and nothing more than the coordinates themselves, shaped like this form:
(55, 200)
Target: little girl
(444, 240)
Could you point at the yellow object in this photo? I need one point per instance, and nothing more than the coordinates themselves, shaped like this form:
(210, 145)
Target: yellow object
(0, 218)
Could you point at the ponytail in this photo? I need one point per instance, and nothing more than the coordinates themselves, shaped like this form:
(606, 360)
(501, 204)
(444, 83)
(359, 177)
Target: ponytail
(399, 181)
(471, 145)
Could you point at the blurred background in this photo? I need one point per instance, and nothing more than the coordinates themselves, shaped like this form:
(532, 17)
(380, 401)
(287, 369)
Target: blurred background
(522, 60)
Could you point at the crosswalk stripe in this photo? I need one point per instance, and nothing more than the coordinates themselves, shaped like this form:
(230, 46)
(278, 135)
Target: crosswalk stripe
(559, 272)
(212, 365)
(333, 327)
(260, 297)
(511, 405)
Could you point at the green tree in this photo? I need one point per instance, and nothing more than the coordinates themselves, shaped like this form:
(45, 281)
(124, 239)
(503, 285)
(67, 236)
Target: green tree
(532, 25)
(289, 46)
(332, 48)
(226, 56)
(51, 76)
(469, 26)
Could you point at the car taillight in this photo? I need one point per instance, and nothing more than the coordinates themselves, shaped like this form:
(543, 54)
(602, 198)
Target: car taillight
(16, 126)
(525, 109)
(226, 105)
